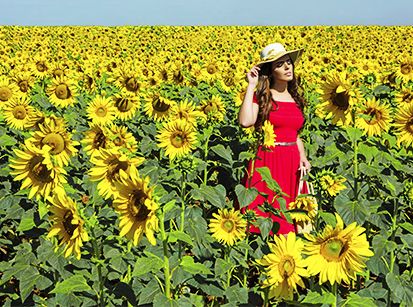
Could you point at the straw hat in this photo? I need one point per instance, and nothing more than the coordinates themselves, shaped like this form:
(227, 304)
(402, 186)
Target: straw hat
(275, 51)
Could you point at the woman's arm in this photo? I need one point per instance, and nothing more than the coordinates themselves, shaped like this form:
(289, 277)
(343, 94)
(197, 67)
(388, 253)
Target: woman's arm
(248, 112)
(303, 158)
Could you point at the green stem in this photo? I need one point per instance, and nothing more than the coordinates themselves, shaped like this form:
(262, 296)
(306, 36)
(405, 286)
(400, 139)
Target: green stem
(97, 254)
(246, 258)
(205, 159)
(182, 201)
(393, 235)
(355, 163)
(334, 290)
(165, 256)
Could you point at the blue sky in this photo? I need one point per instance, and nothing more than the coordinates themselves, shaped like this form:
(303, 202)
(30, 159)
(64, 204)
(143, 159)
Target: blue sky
(206, 12)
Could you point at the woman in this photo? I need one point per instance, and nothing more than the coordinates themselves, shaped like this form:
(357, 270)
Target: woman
(276, 99)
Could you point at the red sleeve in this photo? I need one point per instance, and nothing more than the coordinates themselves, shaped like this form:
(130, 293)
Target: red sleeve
(254, 98)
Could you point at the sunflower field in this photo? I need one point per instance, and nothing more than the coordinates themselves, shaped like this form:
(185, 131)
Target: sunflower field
(122, 164)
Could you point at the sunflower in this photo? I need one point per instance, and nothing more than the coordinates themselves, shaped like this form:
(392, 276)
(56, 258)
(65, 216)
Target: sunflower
(177, 137)
(239, 97)
(25, 82)
(109, 166)
(120, 138)
(330, 183)
(40, 67)
(34, 166)
(404, 70)
(269, 135)
(158, 106)
(126, 78)
(404, 96)
(337, 98)
(67, 224)
(337, 254)
(284, 266)
(96, 138)
(185, 110)
(126, 104)
(211, 71)
(62, 92)
(101, 111)
(8, 90)
(52, 132)
(213, 108)
(18, 113)
(373, 118)
(137, 207)
(404, 124)
(228, 226)
(307, 204)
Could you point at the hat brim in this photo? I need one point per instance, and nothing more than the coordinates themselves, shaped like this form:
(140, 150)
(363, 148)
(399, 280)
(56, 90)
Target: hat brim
(294, 55)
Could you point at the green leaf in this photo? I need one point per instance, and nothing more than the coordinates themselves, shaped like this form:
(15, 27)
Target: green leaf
(407, 226)
(42, 207)
(145, 265)
(223, 152)
(245, 195)
(266, 176)
(351, 211)
(317, 298)
(148, 293)
(179, 235)
(353, 133)
(265, 225)
(27, 221)
(222, 267)
(169, 205)
(192, 267)
(214, 195)
(31, 279)
(161, 300)
(75, 283)
(7, 140)
(354, 300)
(401, 289)
(328, 217)
(236, 294)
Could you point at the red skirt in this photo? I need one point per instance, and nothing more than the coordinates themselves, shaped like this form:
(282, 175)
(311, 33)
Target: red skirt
(283, 163)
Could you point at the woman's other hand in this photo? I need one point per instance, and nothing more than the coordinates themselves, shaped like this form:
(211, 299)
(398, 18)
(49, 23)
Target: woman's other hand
(304, 164)
(252, 75)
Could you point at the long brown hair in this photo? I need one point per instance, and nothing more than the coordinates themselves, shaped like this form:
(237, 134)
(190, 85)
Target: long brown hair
(264, 94)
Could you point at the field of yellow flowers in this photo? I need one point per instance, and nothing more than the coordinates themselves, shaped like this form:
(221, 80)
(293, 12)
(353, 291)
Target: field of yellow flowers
(121, 162)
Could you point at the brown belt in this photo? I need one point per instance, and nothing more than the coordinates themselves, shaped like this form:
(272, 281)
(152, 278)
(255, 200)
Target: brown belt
(285, 143)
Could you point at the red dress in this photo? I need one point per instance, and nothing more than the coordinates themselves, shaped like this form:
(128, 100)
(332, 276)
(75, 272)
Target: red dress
(283, 161)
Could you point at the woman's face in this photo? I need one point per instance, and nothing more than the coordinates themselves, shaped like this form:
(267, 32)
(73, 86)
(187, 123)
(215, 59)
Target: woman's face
(282, 69)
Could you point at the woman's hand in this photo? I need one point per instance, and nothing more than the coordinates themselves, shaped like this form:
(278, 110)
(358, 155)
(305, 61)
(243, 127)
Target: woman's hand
(252, 76)
(304, 164)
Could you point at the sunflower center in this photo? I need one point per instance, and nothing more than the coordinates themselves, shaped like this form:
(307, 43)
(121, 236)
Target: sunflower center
(114, 167)
(211, 69)
(341, 99)
(178, 139)
(38, 170)
(99, 140)
(40, 66)
(5, 93)
(160, 106)
(58, 72)
(406, 68)
(409, 125)
(101, 111)
(123, 105)
(374, 116)
(408, 97)
(24, 86)
(67, 223)
(228, 225)
(19, 112)
(286, 266)
(137, 206)
(118, 141)
(132, 85)
(333, 249)
(62, 91)
(56, 141)
(210, 107)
